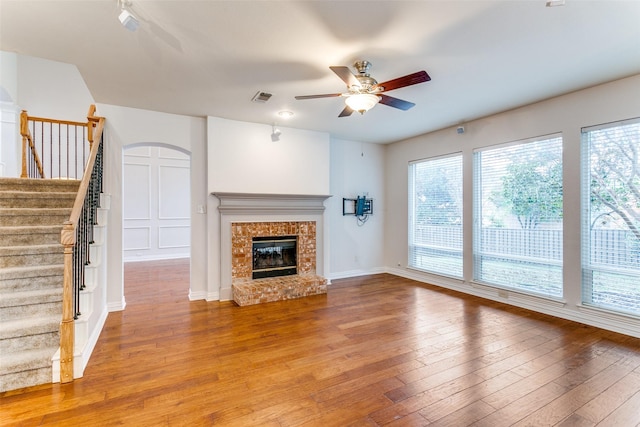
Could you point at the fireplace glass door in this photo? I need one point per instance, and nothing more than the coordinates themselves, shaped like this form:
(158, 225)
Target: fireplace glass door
(274, 256)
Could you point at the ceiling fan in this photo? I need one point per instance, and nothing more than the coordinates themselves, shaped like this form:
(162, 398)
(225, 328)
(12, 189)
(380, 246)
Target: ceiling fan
(364, 92)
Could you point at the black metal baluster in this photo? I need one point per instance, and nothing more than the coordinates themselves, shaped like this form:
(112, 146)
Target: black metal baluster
(84, 228)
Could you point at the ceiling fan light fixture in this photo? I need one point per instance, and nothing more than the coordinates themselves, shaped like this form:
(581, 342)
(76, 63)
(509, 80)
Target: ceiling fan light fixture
(362, 102)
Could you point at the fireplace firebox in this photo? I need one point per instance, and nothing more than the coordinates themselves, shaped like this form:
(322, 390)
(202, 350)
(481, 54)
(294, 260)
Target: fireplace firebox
(274, 256)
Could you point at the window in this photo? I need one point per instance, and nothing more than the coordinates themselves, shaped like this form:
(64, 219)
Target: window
(611, 216)
(435, 225)
(518, 216)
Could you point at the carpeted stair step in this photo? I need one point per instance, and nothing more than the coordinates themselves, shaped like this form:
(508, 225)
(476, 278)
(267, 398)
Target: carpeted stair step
(23, 256)
(36, 199)
(21, 334)
(41, 309)
(31, 278)
(30, 235)
(24, 304)
(26, 298)
(45, 185)
(26, 368)
(32, 216)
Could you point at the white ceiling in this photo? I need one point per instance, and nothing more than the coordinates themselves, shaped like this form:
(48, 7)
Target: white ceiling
(209, 58)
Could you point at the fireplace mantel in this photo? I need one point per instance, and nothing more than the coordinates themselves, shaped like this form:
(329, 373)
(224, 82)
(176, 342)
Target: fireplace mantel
(249, 203)
(254, 207)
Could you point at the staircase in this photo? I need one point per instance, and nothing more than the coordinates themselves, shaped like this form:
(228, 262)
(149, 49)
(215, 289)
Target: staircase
(32, 212)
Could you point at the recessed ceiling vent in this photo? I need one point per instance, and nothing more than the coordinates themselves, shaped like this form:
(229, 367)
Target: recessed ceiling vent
(261, 96)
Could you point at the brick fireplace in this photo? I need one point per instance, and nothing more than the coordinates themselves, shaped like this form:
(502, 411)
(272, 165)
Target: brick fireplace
(248, 291)
(244, 217)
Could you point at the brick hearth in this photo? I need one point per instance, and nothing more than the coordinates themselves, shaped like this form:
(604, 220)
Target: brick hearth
(249, 292)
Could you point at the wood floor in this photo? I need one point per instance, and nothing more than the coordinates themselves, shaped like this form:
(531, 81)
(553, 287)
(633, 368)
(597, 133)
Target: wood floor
(375, 351)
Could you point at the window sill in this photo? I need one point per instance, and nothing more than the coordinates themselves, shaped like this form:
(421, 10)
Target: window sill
(607, 313)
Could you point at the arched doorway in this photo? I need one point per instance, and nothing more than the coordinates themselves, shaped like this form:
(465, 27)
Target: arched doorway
(156, 220)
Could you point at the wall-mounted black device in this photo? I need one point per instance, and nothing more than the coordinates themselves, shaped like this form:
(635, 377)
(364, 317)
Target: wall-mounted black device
(360, 206)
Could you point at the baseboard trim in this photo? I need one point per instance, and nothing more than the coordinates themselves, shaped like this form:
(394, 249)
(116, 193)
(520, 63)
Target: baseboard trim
(156, 258)
(212, 296)
(116, 306)
(356, 273)
(84, 354)
(195, 296)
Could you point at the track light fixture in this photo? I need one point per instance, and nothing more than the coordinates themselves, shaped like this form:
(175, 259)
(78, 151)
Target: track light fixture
(127, 19)
(275, 133)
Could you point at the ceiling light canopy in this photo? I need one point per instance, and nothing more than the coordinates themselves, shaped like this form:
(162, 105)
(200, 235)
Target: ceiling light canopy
(362, 102)
(285, 114)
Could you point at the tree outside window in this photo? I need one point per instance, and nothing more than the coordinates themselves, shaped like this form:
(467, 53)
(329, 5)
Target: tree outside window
(611, 226)
(518, 216)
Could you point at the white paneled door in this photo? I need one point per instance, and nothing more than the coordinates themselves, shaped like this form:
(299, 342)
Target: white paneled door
(156, 203)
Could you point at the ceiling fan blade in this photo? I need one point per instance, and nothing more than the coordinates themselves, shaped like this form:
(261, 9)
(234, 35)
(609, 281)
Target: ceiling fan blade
(346, 112)
(346, 75)
(395, 102)
(408, 80)
(326, 95)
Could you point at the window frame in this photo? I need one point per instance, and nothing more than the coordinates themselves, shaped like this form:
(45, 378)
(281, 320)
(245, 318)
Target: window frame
(458, 155)
(587, 266)
(477, 233)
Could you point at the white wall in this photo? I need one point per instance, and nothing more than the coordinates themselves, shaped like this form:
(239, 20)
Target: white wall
(9, 76)
(9, 116)
(566, 114)
(356, 169)
(129, 126)
(244, 159)
(45, 89)
(52, 89)
(9, 140)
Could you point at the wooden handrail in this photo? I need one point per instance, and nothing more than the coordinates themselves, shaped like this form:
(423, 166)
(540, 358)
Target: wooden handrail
(61, 122)
(68, 240)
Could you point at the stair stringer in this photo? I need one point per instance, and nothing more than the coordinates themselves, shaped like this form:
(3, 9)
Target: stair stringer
(93, 300)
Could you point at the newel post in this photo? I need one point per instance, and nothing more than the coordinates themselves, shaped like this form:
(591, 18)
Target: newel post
(90, 124)
(67, 333)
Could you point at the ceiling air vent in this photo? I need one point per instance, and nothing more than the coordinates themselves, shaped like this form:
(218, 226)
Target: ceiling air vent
(261, 97)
